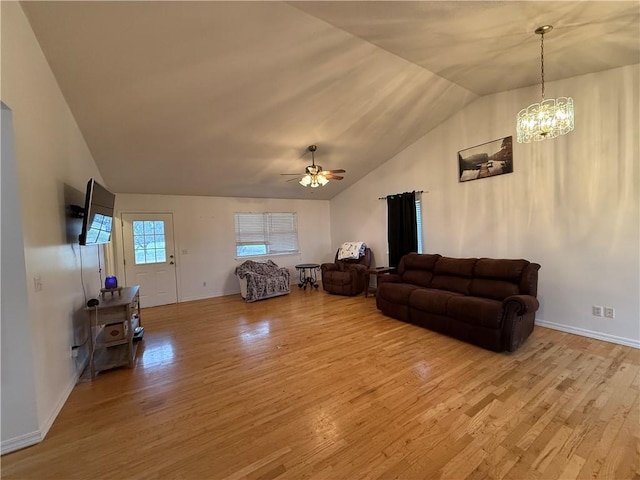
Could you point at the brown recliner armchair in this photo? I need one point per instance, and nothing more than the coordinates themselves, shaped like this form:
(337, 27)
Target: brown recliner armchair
(346, 277)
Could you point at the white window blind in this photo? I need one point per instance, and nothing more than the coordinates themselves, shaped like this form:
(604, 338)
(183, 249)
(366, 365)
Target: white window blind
(419, 223)
(266, 233)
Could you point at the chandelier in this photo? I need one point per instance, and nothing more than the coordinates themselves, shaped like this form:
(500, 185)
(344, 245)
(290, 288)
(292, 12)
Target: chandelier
(546, 119)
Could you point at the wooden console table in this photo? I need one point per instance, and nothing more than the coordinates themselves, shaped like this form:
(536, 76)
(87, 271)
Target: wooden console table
(112, 325)
(376, 272)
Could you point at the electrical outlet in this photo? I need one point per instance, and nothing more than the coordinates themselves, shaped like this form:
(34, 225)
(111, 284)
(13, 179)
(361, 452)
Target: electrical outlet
(37, 283)
(609, 312)
(597, 311)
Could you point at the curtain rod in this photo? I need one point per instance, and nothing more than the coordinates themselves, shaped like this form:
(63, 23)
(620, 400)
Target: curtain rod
(415, 191)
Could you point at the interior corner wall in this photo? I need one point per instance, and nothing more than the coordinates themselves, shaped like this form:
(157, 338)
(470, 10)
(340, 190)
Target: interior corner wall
(18, 397)
(204, 236)
(571, 204)
(51, 157)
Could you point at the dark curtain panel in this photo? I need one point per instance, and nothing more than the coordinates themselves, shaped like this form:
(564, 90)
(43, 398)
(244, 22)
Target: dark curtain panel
(403, 230)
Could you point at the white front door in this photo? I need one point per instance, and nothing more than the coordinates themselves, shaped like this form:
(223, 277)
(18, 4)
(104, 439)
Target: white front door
(149, 256)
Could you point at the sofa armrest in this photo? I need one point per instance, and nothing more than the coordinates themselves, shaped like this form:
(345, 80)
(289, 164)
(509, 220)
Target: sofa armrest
(283, 272)
(240, 273)
(328, 267)
(391, 278)
(519, 320)
(521, 304)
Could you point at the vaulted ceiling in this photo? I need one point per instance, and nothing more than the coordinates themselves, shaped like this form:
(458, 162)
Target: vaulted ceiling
(220, 98)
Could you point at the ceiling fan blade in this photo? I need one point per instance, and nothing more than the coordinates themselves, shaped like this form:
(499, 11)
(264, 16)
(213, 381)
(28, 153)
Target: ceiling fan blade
(295, 179)
(331, 176)
(291, 174)
(340, 170)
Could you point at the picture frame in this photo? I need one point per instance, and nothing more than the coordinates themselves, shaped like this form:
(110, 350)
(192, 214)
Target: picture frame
(486, 160)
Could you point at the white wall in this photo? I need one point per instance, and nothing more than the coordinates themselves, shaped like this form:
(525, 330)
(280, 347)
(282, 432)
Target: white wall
(572, 203)
(205, 228)
(51, 157)
(19, 413)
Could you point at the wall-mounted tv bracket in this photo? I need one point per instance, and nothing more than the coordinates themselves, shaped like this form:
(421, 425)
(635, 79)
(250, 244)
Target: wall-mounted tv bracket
(76, 211)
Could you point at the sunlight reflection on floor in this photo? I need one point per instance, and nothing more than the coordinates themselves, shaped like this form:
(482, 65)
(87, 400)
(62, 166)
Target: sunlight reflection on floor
(157, 355)
(250, 334)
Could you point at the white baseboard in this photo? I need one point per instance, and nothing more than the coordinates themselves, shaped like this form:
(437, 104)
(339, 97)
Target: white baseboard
(22, 441)
(235, 291)
(628, 342)
(209, 295)
(32, 438)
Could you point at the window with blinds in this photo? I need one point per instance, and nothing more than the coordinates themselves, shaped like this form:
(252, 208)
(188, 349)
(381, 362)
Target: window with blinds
(419, 224)
(266, 234)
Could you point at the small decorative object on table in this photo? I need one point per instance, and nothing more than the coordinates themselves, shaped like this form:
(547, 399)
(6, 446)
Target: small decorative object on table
(111, 285)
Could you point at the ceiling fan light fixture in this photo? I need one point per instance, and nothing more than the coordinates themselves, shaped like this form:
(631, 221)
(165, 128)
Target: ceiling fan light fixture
(305, 181)
(322, 180)
(549, 118)
(314, 175)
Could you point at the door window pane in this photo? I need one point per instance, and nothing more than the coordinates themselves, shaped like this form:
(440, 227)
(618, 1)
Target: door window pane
(149, 243)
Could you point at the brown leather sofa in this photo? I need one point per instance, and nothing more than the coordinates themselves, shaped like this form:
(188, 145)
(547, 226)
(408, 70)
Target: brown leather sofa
(346, 277)
(488, 302)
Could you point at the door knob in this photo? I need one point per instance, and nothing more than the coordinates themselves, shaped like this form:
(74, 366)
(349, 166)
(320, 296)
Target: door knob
(170, 263)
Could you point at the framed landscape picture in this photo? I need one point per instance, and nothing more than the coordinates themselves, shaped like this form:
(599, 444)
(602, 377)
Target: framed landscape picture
(486, 160)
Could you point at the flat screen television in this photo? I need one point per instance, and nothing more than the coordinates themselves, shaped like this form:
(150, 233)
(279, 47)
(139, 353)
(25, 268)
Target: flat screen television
(97, 220)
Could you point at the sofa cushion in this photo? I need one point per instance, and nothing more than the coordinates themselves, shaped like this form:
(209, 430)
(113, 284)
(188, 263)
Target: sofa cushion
(416, 261)
(460, 267)
(337, 277)
(495, 289)
(476, 311)
(396, 292)
(501, 269)
(430, 300)
(451, 283)
(417, 277)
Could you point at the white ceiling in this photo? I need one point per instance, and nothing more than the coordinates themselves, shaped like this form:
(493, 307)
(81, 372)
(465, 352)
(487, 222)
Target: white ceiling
(219, 98)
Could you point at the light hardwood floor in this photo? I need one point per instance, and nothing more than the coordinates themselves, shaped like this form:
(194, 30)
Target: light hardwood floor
(312, 385)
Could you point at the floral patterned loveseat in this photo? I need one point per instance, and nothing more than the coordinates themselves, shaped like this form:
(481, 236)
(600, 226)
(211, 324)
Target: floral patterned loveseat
(259, 280)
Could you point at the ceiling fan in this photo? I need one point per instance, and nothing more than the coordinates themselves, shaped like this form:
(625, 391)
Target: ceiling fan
(314, 176)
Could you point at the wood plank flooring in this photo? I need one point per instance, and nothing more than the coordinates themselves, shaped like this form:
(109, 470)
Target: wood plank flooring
(316, 386)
